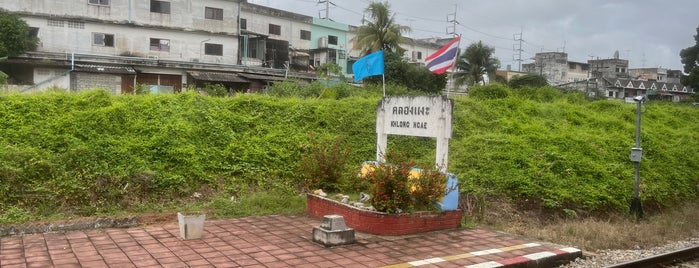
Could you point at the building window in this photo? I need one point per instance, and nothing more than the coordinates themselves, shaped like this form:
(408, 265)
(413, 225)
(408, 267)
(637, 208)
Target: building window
(275, 29)
(213, 49)
(213, 13)
(332, 40)
(101, 39)
(419, 55)
(305, 35)
(157, 44)
(76, 24)
(159, 6)
(243, 24)
(99, 2)
(55, 23)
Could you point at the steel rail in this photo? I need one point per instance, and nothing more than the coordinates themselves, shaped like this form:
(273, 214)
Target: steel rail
(661, 259)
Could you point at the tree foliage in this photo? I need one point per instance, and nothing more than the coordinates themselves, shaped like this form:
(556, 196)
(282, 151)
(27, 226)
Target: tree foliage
(15, 36)
(3, 78)
(399, 72)
(476, 61)
(690, 59)
(530, 80)
(380, 31)
(328, 70)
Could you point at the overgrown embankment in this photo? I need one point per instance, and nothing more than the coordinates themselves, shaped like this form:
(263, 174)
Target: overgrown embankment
(93, 152)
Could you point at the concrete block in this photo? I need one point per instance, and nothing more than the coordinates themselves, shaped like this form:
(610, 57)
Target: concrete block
(191, 227)
(333, 232)
(333, 238)
(333, 223)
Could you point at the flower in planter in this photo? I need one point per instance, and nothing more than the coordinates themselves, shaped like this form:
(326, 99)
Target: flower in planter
(401, 187)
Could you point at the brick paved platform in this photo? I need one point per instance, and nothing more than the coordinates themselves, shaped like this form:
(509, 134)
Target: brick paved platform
(273, 241)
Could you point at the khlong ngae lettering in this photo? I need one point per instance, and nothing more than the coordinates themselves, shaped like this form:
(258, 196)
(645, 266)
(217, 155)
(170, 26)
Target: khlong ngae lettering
(408, 110)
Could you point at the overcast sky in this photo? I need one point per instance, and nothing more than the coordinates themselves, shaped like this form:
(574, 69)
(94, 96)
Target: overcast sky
(649, 33)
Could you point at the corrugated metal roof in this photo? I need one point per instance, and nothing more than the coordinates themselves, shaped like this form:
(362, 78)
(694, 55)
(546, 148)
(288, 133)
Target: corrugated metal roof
(262, 77)
(105, 69)
(217, 77)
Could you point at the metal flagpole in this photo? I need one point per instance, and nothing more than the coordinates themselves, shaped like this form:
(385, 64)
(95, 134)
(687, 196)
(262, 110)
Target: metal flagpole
(383, 78)
(458, 47)
(383, 74)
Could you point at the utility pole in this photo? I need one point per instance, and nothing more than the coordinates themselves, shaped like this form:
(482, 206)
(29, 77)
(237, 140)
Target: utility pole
(453, 32)
(327, 8)
(452, 29)
(518, 49)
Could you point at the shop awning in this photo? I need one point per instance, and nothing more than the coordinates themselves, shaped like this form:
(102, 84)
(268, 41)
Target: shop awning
(217, 77)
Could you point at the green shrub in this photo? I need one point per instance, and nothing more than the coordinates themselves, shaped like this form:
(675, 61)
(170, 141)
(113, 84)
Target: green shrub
(215, 90)
(488, 92)
(323, 165)
(93, 152)
(390, 190)
(3, 78)
(402, 185)
(14, 214)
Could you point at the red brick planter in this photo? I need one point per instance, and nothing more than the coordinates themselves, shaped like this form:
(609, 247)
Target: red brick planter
(380, 223)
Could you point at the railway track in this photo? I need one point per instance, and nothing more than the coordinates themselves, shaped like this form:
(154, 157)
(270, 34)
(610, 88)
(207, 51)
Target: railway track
(663, 260)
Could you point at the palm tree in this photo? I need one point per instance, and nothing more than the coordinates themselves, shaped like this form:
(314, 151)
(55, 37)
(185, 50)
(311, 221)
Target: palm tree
(475, 62)
(380, 31)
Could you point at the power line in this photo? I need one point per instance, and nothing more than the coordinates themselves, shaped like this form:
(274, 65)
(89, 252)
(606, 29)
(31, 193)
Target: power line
(484, 33)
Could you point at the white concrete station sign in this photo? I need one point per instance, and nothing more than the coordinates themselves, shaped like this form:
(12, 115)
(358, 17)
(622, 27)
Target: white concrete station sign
(421, 116)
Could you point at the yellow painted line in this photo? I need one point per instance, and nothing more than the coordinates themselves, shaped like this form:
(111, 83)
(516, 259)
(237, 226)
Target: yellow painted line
(462, 256)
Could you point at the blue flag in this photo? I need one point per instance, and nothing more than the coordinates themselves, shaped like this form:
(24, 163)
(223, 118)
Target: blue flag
(369, 65)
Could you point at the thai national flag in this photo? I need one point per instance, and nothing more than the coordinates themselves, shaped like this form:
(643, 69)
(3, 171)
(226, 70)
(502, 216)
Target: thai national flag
(444, 58)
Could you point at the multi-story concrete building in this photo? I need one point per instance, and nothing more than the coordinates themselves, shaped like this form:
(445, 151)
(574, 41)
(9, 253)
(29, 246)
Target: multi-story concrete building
(608, 78)
(329, 44)
(609, 68)
(160, 45)
(649, 74)
(164, 46)
(552, 65)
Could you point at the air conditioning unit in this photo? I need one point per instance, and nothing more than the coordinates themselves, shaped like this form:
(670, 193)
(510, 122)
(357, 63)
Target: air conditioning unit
(323, 42)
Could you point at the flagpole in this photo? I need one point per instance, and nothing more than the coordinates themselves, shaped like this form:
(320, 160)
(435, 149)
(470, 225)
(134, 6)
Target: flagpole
(458, 47)
(383, 78)
(383, 75)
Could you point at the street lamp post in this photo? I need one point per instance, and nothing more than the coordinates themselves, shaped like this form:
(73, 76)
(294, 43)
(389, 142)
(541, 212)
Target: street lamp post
(635, 156)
